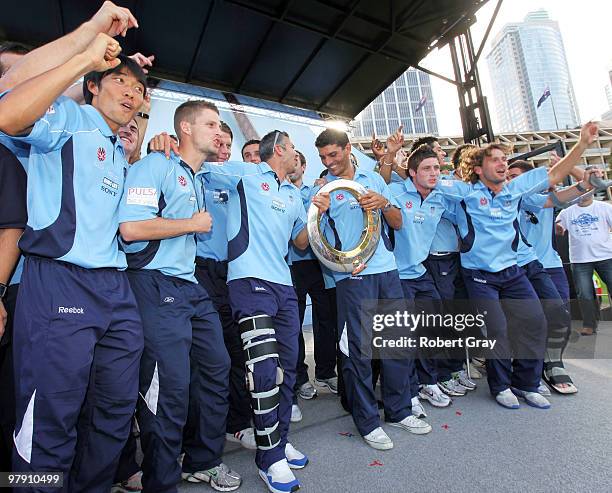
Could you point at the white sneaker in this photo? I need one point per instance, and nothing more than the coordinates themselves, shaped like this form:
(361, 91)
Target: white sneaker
(462, 377)
(532, 398)
(507, 399)
(296, 414)
(279, 478)
(417, 408)
(543, 389)
(378, 439)
(295, 458)
(245, 437)
(412, 424)
(452, 387)
(435, 396)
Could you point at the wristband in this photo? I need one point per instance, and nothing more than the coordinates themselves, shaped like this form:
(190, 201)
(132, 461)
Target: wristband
(3, 289)
(580, 188)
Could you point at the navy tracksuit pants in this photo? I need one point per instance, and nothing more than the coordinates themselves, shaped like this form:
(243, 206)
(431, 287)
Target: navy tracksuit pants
(308, 280)
(212, 275)
(558, 339)
(250, 297)
(184, 368)
(526, 335)
(7, 382)
(77, 346)
(445, 271)
(356, 367)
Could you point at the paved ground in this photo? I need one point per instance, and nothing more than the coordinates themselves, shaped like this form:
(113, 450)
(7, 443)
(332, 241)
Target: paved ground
(475, 444)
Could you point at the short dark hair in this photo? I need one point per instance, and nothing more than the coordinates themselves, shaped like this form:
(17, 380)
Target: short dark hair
(248, 143)
(424, 151)
(266, 144)
(187, 111)
(332, 136)
(13, 48)
(302, 158)
(523, 165)
(125, 62)
(429, 140)
(458, 154)
(225, 128)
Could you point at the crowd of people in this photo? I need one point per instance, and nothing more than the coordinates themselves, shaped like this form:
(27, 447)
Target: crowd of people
(163, 296)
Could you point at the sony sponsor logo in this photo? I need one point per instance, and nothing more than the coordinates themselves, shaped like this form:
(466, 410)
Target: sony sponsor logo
(71, 309)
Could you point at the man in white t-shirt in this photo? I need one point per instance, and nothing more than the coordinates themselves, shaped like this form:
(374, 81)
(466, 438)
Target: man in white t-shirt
(588, 224)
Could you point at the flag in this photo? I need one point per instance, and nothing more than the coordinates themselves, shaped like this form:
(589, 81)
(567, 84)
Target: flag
(421, 104)
(544, 96)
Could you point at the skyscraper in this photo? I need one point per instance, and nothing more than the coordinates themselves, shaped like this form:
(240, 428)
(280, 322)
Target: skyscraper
(527, 59)
(408, 101)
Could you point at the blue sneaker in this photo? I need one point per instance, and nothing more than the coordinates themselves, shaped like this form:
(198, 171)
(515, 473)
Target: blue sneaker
(295, 458)
(279, 478)
(533, 399)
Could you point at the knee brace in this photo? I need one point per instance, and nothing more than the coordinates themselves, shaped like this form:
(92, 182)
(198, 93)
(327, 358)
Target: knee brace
(259, 343)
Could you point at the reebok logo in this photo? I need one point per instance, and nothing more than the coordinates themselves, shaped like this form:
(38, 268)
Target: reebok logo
(168, 299)
(259, 288)
(72, 309)
(481, 281)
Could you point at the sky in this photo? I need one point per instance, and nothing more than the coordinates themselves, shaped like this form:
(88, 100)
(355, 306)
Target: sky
(586, 37)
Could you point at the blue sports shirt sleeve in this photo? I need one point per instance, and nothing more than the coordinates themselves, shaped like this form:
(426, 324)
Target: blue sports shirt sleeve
(61, 121)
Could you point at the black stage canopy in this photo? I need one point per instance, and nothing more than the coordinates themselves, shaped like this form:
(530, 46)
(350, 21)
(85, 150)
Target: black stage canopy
(331, 56)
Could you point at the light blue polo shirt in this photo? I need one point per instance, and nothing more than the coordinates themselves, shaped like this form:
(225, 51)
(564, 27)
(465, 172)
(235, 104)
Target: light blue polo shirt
(420, 219)
(295, 254)
(76, 170)
(213, 245)
(490, 230)
(343, 224)
(445, 239)
(263, 215)
(540, 234)
(160, 187)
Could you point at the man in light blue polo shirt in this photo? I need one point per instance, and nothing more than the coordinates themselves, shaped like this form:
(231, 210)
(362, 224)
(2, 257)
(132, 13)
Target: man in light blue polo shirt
(379, 280)
(265, 214)
(422, 209)
(71, 286)
(536, 223)
(185, 365)
(490, 239)
(211, 272)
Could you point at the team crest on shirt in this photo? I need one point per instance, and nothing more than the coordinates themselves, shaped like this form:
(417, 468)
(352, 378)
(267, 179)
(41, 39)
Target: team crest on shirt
(339, 196)
(483, 201)
(220, 196)
(409, 205)
(101, 154)
(182, 181)
(265, 187)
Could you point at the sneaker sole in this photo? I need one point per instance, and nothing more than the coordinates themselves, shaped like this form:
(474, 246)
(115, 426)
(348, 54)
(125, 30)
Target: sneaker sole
(297, 466)
(190, 478)
(379, 446)
(434, 404)
(264, 478)
(414, 431)
(301, 396)
(452, 393)
(324, 385)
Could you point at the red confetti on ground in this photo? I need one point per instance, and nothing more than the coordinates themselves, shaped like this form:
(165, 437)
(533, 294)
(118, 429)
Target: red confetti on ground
(376, 463)
(346, 434)
(458, 413)
(445, 427)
